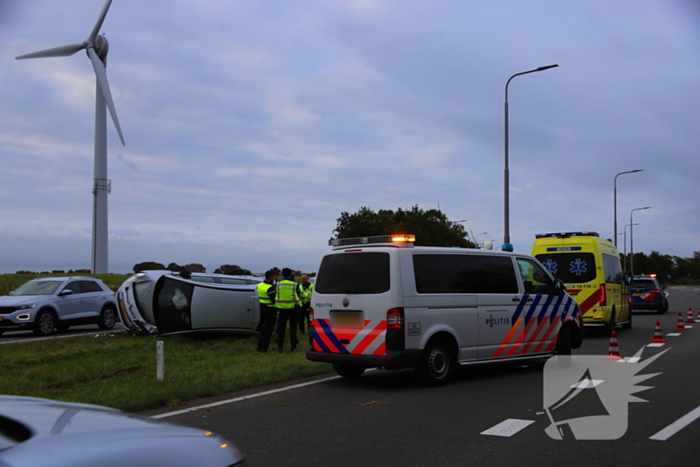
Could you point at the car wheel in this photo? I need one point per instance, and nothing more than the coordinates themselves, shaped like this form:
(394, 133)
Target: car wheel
(44, 323)
(348, 371)
(108, 318)
(437, 363)
(663, 308)
(610, 326)
(564, 342)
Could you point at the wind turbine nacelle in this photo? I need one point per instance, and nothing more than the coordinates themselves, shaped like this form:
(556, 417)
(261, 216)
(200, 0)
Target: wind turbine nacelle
(101, 47)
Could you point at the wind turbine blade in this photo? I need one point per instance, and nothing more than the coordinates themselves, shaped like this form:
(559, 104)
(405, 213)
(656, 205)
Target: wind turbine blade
(100, 20)
(103, 84)
(63, 51)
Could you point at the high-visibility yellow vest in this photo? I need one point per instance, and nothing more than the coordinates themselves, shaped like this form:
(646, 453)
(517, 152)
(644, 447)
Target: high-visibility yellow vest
(286, 297)
(263, 297)
(306, 292)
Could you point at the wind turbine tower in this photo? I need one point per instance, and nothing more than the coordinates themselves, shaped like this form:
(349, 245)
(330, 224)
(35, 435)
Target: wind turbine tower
(96, 47)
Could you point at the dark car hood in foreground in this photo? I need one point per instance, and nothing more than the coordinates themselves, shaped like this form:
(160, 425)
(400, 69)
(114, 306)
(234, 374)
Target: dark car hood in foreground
(68, 434)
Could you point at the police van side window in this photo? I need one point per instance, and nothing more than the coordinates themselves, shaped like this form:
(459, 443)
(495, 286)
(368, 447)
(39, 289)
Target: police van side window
(354, 273)
(443, 274)
(535, 279)
(464, 274)
(494, 274)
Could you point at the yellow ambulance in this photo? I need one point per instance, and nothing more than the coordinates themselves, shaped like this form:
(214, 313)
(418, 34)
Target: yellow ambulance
(590, 268)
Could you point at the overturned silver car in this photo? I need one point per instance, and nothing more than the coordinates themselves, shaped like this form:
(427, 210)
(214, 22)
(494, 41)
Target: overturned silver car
(163, 302)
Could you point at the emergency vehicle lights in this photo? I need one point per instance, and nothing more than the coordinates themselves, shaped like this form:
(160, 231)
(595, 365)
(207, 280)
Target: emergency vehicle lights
(567, 234)
(396, 238)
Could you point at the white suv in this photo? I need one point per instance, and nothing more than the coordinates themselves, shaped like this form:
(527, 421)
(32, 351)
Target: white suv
(49, 303)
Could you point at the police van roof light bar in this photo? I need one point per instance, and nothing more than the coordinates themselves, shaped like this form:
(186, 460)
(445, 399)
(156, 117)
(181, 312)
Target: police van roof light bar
(397, 238)
(567, 234)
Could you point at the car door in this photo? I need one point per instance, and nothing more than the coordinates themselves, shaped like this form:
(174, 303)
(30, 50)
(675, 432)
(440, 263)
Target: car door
(543, 308)
(500, 304)
(94, 298)
(69, 300)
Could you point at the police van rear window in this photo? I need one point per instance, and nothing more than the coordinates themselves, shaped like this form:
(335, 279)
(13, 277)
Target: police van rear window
(353, 273)
(464, 274)
(570, 267)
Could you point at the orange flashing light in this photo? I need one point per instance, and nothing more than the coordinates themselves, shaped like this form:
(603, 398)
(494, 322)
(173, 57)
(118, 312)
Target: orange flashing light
(403, 238)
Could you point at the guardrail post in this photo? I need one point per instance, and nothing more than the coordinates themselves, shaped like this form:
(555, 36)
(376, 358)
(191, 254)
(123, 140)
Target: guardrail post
(160, 360)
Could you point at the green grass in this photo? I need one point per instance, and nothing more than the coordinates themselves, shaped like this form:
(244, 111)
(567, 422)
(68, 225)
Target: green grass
(120, 371)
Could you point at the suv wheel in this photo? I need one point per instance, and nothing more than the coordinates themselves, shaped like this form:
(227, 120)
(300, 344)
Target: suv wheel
(44, 323)
(437, 363)
(108, 318)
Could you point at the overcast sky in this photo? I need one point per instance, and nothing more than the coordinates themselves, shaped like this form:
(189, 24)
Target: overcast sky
(250, 126)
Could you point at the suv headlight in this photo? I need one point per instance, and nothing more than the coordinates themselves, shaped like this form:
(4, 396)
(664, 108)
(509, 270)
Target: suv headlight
(25, 307)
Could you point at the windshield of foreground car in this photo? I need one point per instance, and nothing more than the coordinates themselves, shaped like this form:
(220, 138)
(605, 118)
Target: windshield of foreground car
(37, 288)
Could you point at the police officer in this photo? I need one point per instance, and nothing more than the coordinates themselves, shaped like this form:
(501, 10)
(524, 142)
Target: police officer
(287, 301)
(268, 312)
(305, 289)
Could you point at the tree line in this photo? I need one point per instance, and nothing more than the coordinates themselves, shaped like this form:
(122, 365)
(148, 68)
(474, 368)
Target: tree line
(669, 270)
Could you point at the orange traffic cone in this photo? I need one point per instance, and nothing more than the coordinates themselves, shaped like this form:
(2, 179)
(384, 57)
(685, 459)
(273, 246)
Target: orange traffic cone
(690, 316)
(613, 350)
(681, 326)
(658, 336)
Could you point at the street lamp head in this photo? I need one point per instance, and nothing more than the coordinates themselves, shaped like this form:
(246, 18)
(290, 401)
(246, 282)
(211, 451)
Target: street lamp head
(542, 68)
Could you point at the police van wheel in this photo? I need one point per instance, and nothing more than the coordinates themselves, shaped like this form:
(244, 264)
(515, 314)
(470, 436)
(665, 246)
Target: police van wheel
(564, 342)
(348, 371)
(437, 363)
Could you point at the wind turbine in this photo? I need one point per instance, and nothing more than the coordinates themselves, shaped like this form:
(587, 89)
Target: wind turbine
(96, 47)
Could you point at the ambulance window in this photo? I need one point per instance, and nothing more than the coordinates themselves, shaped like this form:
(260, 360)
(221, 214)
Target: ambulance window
(613, 274)
(570, 267)
(353, 273)
(535, 279)
(493, 274)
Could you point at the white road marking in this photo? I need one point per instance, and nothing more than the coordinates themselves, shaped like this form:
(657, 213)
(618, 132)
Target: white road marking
(688, 326)
(656, 344)
(673, 334)
(629, 360)
(587, 383)
(243, 398)
(677, 426)
(508, 428)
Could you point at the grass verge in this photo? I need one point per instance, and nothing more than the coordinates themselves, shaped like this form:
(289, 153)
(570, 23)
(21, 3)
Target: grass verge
(119, 371)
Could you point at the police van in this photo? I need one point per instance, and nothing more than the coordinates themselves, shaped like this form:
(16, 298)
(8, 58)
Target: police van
(381, 302)
(590, 268)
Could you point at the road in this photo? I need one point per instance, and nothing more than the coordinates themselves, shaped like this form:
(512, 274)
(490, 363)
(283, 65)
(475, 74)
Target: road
(385, 418)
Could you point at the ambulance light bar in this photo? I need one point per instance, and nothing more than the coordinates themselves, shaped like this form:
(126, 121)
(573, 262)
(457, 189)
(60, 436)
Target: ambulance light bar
(567, 234)
(398, 238)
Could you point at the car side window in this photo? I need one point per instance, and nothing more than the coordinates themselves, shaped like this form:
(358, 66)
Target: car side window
(73, 287)
(89, 286)
(535, 279)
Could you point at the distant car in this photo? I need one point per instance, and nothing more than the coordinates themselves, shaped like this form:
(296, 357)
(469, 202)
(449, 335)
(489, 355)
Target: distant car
(51, 433)
(164, 302)
(49, 303)
(647, 294)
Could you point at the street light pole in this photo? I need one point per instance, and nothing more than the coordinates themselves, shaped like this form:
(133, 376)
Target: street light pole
(632, 240)
(506, 179)
(625, 240)
(615, 200)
